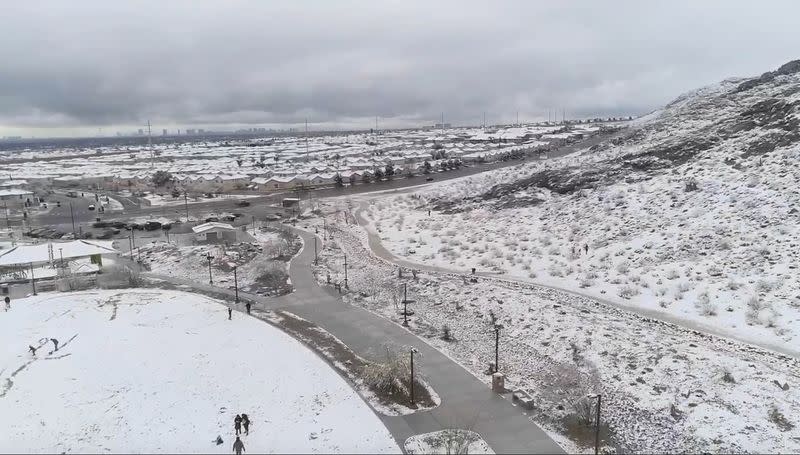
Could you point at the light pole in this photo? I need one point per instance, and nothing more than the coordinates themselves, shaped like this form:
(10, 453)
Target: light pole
(235, 284)
(209, 257)
(33, 280)
(497, 328)
(596, 423)
(324, 229)
(413, 351)
(405, 305)
(72, 215)
(315, 250)
(61, 256)
(345, 272)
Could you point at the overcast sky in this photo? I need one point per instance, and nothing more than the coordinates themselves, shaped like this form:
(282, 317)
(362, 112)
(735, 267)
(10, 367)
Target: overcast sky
(71, 67)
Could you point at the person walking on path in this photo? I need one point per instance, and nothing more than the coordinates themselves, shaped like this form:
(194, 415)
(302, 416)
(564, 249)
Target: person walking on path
(247, 305)
(230, 313)
(586, 247)
(8, 302)
(55, 343)
(238, 446)
(246, 423)
(237, 425)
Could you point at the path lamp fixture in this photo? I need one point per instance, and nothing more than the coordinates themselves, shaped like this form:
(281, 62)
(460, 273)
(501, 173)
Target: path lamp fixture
(405, 305)
(596, 423)
(497, 328)
(209, 257)
(411, 386)
(235, 284)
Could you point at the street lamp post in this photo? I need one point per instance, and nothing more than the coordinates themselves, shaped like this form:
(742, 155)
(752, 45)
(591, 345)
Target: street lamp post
(315, 250)
(413, 351)
(209, 257)
(33, 280)
(61, 256)
(497, 328)
(405, 305)
(235, 284)
(596, 423)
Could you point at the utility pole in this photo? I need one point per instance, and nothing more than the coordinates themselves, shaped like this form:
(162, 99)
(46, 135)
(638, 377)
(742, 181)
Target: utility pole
(306, 137)
(315, 250)
(5, 207)
(517, 118)
(71, 214)
(33, 280)
(130, 243)
(345, 272)
(236, 284)
(150, 145)
(484, 119)
(497, 348)
(209, 257)
(442, 123)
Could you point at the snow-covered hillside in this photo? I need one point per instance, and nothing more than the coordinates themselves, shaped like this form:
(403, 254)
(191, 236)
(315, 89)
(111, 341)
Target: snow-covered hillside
(690, 215)
(164, 371)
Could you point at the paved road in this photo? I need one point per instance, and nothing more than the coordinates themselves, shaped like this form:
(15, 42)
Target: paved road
(466, 401)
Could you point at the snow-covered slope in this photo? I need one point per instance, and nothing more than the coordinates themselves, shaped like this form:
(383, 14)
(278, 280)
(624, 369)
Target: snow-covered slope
(152, 371)
(691, 215)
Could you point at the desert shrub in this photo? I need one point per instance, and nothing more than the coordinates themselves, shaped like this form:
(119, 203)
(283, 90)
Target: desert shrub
(673, 275)
(388, 377)
(623, 267)
(626, 292)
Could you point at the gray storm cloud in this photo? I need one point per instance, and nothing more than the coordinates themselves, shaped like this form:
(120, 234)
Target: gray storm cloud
(98, 63)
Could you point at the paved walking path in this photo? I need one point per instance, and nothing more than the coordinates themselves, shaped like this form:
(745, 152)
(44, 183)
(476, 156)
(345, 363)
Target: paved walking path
(466, 402)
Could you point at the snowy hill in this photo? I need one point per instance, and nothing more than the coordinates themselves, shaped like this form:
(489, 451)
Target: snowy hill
(690, 215)
(153, 371)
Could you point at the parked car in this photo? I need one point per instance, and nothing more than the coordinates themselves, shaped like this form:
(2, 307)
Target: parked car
(152, 225)
(429, 179)
(91, 207)
(272, 217)
(243, 204)
(105, 234)
(211, 219)
(136, 226)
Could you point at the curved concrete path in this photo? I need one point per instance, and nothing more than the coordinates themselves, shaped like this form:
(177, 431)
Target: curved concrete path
(466, 402)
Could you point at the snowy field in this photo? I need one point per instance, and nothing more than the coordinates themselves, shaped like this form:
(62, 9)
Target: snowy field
(665, 388)
(165, 371)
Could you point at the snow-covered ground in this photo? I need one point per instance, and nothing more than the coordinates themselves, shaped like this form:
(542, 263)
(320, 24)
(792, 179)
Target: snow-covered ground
(691, 217)
(262, 264)
(665, 388)
(166, 371)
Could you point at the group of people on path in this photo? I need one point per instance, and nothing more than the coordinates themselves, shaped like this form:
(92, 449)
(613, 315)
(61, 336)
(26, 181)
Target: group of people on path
(238, 422)
(230, 310)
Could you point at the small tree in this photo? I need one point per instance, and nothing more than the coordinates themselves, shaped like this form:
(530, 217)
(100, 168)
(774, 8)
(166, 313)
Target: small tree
(389, 171)
(337, 179)
(161, 178)
(426, 167)
(378, 174)
(239, 162)
(366, 178)
(352, 179)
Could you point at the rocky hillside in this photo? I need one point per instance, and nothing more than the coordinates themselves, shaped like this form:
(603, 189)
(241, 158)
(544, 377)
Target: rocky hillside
(738, 121)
